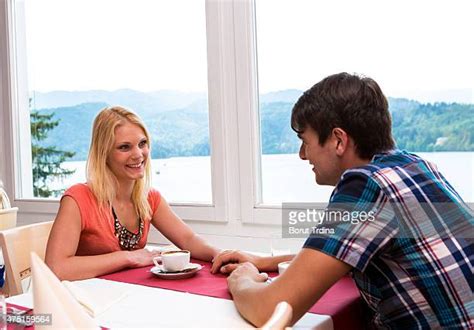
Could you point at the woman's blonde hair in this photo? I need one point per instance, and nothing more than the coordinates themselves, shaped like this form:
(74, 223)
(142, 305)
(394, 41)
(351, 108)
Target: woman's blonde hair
(100, 178)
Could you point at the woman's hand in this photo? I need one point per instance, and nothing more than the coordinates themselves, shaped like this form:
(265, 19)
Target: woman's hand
(228, 260)
(141, 257)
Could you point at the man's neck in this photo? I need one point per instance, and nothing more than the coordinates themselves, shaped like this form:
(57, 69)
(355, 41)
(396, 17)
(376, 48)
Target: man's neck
(352, 160)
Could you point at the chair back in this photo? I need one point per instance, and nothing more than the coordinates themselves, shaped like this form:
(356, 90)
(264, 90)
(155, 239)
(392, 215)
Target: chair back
(280, 318)
(17, 244)
(8, 218)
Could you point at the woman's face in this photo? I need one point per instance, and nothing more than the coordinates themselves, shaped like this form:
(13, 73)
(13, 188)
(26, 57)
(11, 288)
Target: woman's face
(129, 153)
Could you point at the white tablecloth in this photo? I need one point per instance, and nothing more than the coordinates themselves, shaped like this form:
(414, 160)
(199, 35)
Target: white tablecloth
(146, 307)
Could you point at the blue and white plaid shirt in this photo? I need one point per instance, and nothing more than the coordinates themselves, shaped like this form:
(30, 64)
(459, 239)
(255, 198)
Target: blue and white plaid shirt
(413, 260)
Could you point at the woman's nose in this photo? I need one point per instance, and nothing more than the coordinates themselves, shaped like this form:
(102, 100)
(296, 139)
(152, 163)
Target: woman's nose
(136, 152)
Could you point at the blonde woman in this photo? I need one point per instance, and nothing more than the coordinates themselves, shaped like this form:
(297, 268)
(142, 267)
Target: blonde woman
(102, 226)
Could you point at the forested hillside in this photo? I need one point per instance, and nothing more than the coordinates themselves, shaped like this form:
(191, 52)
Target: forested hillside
(181, 128)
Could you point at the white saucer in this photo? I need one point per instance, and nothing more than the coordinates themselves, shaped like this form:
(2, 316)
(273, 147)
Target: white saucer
(190, 271)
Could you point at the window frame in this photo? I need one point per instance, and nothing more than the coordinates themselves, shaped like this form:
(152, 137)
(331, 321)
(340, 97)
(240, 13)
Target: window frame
(254, 210)
(233, 118)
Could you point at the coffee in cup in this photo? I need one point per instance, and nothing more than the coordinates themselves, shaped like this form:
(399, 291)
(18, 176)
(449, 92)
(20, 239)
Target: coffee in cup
(173, 261)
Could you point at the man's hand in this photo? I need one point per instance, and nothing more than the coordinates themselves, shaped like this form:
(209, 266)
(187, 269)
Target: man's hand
(228, 260)
(244, 272)
(309, 275)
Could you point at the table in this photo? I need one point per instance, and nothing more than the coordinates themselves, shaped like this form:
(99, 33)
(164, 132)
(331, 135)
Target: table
(152, 302)
(154, 307)
(342, 301)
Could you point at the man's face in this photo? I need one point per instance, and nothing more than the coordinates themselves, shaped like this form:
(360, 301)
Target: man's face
(324, 160)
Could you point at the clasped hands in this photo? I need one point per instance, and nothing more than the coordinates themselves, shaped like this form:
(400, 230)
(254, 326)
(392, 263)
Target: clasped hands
(239, 265)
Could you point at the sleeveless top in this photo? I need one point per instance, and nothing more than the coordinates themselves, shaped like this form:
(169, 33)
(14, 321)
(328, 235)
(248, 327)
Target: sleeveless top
(98, 231)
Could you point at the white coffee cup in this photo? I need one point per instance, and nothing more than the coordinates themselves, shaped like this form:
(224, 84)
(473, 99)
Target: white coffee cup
(173, 261)
(282, 266)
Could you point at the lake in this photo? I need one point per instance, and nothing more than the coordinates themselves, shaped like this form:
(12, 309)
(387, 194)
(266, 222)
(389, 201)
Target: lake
(285, 177)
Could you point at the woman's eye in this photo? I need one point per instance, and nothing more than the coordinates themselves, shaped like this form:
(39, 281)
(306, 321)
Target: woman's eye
(123, 147)
(142, 144)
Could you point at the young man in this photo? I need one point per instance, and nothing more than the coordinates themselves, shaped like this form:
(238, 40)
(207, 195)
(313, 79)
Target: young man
(412, 260)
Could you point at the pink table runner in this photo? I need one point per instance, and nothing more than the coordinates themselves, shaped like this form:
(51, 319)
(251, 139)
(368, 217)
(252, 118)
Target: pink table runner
(13, 326)
(342, 301)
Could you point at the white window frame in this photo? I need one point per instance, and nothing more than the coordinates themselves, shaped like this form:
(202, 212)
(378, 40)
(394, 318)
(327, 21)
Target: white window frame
(233, 119)
(254, 211)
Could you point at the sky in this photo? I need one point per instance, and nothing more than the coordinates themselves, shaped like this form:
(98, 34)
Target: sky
(409, 47)
(112, 44)
(418, 49)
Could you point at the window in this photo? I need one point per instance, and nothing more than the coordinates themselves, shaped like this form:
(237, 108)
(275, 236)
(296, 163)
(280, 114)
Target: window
(215, 82)
(419, 52)
(84, 55)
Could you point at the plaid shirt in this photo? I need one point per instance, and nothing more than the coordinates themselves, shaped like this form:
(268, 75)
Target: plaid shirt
(413, 261)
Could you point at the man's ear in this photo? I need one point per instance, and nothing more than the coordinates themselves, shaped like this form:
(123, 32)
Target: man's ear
(341, 140)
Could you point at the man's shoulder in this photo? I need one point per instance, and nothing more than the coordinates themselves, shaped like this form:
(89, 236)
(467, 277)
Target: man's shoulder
(356, 184)
(364, 178)
(383, 161)
(393, 158)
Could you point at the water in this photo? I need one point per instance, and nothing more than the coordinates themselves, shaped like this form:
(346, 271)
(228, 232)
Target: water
(285, 177)
(179, 179)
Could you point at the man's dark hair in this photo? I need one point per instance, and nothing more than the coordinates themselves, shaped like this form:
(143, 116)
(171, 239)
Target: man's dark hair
(355, 104)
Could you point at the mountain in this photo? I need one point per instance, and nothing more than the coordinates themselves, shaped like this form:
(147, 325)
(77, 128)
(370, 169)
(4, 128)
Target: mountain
(433, 127)
(416, 127)
(276, 133)
(179, 124)
(75, 127)
(151, 102)
(146, 103)
(286, 96)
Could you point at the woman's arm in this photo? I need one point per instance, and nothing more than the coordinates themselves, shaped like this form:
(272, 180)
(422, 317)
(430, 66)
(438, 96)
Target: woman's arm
(180, 234)
(228, 260)
(62, 245)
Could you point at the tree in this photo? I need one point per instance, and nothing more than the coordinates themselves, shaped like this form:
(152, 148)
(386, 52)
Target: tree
(46, 160)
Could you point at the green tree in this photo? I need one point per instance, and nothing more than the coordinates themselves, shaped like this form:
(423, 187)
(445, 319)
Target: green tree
(46, 160)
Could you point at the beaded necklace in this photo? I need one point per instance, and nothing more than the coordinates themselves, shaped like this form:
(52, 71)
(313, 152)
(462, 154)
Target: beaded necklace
(127, 239)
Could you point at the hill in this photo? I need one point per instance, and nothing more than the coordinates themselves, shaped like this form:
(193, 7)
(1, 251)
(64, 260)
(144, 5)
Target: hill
(178, 122)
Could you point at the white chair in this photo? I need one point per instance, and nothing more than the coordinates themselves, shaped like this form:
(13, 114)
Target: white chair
(280, 318)
(17, 244)
(8, 218)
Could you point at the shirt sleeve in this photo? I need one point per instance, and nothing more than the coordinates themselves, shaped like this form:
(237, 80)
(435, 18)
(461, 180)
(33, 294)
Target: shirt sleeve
(85, 201)
(154, 199)
(361, 220)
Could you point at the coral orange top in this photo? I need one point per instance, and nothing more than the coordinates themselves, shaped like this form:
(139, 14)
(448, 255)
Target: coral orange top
(97, 231)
